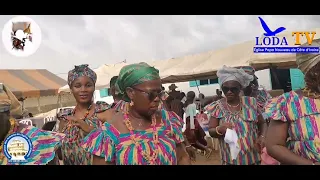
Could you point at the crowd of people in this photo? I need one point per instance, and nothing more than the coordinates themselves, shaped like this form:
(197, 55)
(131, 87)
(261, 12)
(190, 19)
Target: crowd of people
(144, 125)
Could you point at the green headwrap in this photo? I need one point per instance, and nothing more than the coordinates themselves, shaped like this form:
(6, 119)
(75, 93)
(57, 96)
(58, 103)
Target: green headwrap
(134, 74)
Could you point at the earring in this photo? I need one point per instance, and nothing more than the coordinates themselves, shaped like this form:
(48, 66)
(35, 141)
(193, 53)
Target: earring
(131, 103)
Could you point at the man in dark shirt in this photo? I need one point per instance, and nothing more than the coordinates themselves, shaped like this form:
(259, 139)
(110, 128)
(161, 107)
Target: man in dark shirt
(177, 106)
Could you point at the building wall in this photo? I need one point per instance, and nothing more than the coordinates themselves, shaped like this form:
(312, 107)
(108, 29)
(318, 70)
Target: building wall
(103, 96)
(207, 90)
(210, 90)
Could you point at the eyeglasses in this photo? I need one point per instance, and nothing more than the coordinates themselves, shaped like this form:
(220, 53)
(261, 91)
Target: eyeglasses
(232, 89)
(151, 95)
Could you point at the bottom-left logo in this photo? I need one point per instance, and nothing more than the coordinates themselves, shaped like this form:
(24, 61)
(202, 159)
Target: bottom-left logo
(17, 147)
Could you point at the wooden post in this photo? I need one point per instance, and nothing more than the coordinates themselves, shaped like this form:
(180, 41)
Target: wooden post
(39, 106)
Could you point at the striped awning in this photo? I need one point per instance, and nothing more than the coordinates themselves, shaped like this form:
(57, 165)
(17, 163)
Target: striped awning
(31, 83)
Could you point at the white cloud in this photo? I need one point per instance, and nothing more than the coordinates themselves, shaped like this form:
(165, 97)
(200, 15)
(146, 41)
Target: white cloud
(96, 40)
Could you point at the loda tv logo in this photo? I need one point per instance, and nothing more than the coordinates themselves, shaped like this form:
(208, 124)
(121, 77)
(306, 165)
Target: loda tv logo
(309, 37)
(270, 43)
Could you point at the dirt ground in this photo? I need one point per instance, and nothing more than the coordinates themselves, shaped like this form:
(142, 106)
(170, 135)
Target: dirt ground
(215, 156)
(213, 160)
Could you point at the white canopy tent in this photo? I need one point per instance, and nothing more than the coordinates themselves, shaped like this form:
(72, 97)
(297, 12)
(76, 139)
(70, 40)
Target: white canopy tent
(184, 68)
(205, 65)
(281, 60)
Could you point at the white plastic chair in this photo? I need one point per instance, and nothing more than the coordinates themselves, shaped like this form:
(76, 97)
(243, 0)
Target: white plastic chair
(48, 119)
(26, 121)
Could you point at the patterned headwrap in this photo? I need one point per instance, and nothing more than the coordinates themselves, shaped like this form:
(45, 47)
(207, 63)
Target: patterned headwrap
(233, 74)
(249, 70)
(9, 102)
(306, 61)
(135, 74)
(79, 71)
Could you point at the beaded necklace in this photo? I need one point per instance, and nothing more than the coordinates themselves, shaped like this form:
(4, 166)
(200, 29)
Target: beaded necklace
(73, 130)
(234, 113)
(309, 93)
(151, 159)
(13, 128)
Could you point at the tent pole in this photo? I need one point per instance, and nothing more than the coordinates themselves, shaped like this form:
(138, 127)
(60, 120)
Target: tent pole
(197, 84)
(58, 103)
(39, 109)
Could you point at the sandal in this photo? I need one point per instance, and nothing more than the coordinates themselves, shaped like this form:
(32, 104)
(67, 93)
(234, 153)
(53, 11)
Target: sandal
(199, 151)
(207, 155)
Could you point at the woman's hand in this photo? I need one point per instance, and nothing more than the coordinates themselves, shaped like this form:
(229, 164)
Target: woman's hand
(260, 143)
(222, 129)
(81, 124)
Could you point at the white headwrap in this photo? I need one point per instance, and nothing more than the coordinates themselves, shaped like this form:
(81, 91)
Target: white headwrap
(233, 74)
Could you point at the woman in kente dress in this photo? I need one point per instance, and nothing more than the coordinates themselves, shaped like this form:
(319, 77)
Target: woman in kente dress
(44, 143)
(141, 134)
(78, 122)
(239, 113)
(261, 95)
(293, 134)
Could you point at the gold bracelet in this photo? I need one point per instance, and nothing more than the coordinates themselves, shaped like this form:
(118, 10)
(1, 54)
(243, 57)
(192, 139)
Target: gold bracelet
(217, 131)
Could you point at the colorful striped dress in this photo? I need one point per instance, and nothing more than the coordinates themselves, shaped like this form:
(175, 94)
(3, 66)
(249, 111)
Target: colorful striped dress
(45, 143)
(246, 126)
(121, 105)
(118, 148)
(72, 153)
(303, 115)
(262, 99)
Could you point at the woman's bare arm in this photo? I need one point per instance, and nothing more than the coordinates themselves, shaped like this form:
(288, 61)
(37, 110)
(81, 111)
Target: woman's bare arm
(100, 161)
(262, 125)
(62, 124)
(59, 153)
(213, 123)
(106, 115)
(276, 145)
(103, 117)
(182, 155)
